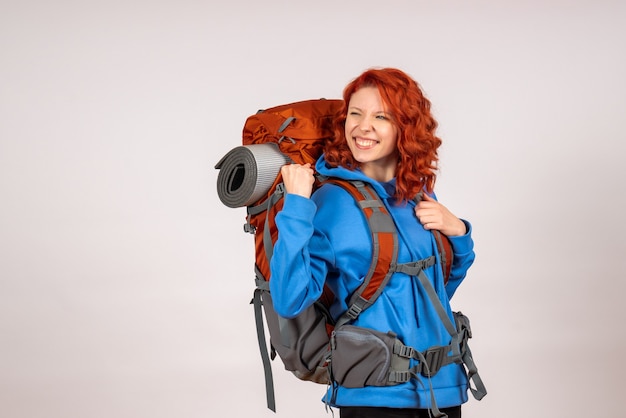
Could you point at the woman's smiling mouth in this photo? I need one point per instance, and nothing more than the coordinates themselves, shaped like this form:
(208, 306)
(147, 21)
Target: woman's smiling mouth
(364, 143)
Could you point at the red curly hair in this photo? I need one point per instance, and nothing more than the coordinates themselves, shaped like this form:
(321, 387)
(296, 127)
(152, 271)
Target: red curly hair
(410, 113)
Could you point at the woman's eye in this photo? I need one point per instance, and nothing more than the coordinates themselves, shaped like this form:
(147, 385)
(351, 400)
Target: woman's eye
(381, 117)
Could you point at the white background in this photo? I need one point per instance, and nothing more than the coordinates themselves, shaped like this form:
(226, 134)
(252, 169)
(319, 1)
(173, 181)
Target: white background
(125, 283)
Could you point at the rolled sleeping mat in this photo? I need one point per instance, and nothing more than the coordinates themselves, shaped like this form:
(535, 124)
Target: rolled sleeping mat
(247, 173)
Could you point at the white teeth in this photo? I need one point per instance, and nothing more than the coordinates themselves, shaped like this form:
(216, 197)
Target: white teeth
(365, 142)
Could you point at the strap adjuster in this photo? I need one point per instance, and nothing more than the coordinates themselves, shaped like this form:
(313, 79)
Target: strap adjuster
(404, 351)
(354, 311)
(397, 376)
(249, 228)
(435, 358)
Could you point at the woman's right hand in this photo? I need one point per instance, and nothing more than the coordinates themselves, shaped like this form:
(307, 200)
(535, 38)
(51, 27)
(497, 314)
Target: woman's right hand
(298, 179)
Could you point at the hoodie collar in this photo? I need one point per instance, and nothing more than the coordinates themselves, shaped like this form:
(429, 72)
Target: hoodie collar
(385, 190)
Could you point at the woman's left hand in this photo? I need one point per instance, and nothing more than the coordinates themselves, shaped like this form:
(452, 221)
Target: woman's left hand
(434, 215)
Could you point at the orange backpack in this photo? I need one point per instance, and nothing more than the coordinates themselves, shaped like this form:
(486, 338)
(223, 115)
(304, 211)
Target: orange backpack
(250, 177)
(299, 130)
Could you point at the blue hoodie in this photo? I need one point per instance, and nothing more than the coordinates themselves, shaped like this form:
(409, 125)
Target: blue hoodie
(326, 239)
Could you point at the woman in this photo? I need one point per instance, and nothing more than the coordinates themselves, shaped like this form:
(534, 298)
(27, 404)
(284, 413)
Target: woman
(385, 136)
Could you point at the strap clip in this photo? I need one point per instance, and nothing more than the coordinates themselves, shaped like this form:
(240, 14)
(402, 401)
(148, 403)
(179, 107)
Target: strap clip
(435, 358)
(354, 311)
(398, 376)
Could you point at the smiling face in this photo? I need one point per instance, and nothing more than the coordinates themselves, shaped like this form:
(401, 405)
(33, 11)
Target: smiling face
(371, 134)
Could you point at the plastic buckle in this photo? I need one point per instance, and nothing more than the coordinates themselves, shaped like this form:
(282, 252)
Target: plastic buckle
(354, 311)
(434, 359)
(397, 376)
(248, 228)
(404, 351)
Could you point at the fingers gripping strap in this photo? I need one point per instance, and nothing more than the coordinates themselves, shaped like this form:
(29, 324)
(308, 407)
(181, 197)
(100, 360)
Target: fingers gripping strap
(444, 247)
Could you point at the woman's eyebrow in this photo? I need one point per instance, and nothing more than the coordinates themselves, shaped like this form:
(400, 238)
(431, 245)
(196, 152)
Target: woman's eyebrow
(377, 111)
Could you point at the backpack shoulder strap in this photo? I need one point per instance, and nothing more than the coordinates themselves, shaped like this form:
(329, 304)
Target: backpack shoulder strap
(444, 247)
(446, 254)
(384, 247)
(384, 264)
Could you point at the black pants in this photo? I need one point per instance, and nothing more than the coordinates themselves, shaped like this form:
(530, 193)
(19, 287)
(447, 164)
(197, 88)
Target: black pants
(374, 412)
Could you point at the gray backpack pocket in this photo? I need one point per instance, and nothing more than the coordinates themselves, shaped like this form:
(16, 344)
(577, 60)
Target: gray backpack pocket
(363, 357)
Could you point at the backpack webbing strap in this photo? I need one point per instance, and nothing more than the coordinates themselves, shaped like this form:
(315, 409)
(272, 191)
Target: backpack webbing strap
(431, 360)
(283, 126)
(445, 253)
(402, 376)
(459, 338)
(416, 268)
(384, 248)
(434, 410)
(266, 205)
(434, 358)
(479, 390)
(267, 235)
(257, 301)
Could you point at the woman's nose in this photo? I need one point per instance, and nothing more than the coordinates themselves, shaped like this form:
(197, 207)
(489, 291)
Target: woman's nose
(365, 125)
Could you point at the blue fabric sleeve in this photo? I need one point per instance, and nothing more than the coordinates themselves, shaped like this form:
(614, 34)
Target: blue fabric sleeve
(297, 279)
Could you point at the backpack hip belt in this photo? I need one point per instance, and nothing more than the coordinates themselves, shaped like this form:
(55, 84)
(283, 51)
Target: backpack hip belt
(365, 357)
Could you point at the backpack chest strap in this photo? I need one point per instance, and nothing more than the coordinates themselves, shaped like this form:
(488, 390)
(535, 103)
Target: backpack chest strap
(415, 267)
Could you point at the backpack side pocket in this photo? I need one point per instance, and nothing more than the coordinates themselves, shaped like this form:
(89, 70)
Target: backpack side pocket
(362, 357)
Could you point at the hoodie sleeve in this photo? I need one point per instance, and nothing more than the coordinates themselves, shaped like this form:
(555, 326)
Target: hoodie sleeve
(297, 279)
(463, 247)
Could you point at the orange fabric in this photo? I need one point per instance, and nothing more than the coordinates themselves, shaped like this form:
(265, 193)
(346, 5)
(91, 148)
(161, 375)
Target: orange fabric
(302, 140)
(310, 129)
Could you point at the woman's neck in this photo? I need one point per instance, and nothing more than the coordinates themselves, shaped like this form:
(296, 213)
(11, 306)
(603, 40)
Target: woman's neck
(379, 173)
